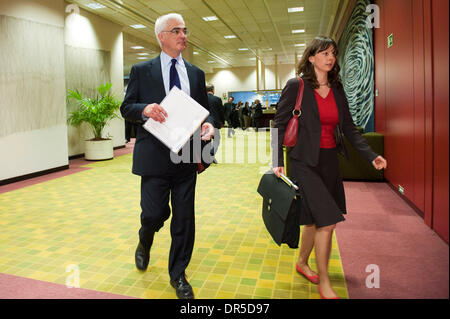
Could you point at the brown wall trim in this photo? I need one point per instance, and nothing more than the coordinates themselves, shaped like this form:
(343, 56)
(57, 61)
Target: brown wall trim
(32, 175)
(410, 203)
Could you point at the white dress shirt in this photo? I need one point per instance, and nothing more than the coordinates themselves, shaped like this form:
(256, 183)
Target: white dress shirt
(166, 63)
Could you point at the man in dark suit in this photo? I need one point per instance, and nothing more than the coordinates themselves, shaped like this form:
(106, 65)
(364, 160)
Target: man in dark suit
(217, 112)
(161, 177)
(229, 106)
(258, 114)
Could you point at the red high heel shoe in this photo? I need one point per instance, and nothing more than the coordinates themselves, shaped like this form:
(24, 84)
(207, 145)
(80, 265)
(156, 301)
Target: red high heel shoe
(323, 297)
(314, 279)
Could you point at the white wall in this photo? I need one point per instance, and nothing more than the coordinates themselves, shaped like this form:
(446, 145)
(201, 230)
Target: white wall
(43, 144)
(285, 72)
(88, 31)
(31, 150)
(235, 79)
(244, 78)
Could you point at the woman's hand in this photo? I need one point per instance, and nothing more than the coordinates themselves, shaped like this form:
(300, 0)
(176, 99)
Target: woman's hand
(379, 162)
(278, 170)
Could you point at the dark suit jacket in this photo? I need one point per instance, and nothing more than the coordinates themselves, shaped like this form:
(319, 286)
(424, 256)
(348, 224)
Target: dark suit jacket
(151, 157)
(307, 147)
(216, 109)
(228, 108)
(258, 111)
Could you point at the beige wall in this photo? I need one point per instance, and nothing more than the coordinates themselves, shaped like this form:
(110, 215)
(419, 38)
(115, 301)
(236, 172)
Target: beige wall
(42, 11)
(88, 31)
(244, 78)
(32, 149)
(43, 144)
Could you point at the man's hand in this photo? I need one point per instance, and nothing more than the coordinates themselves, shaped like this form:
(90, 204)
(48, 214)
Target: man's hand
(207, 131)
(155, 112)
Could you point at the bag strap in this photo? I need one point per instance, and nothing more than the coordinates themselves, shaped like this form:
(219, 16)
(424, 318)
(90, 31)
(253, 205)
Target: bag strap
(298, 102)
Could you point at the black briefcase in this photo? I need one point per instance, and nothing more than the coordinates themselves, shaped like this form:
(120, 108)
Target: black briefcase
(281, 208)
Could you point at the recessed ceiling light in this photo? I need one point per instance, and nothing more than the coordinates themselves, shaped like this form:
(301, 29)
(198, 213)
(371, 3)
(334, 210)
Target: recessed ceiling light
(211, 61)
(137, 47)
(138, 26)
(299, 56)
(243, 49)
(296, 9)
(195, 53)
(298, 31)
(229, 36)
(143, 53)
(300, 45)
(141, 58)
(252, 59)
(95, 6)
(211, 18)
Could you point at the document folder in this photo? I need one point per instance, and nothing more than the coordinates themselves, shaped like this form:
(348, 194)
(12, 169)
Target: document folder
(184, 117)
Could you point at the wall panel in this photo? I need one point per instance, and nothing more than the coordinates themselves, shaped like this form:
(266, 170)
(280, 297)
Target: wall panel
(399, 83)
(33, 131)
(441, 117)
(31, 77)
(412, 105)
(86, 69)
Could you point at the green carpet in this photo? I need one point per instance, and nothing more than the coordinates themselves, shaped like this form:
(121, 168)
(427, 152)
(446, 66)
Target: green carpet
(90, 221)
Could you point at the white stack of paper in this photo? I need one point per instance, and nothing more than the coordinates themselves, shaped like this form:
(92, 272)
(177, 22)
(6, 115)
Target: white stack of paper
(184, 117)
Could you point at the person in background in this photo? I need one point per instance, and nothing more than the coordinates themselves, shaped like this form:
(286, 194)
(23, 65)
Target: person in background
(245, 115)
(258, 114)
(241, 116)
(130, 128)
(217, 113)
(235, 115)
(229, 106)
(313, 159)
(161, 178)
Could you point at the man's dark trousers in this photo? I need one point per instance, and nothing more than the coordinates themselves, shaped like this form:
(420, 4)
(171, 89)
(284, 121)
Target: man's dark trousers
(179, 183)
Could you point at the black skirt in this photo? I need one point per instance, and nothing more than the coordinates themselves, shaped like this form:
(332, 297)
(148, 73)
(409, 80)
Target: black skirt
(322, 189)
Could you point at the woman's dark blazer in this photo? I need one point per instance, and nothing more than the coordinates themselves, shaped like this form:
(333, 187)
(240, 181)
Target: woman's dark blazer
(307, 147)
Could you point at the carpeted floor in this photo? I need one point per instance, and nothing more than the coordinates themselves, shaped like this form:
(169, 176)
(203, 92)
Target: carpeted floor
(86, 224)
(84, 221)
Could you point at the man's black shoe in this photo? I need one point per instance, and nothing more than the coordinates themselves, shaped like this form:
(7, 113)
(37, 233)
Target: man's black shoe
(142, 257)
(182, 287)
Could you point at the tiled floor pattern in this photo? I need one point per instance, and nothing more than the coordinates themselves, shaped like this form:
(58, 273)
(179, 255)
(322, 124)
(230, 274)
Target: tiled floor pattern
(87, 223)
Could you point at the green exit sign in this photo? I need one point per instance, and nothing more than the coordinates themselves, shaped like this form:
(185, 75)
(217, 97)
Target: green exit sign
(390, 40)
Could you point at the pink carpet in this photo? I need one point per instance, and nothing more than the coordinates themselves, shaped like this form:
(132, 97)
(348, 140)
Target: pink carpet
(382, 229)
(14, 287)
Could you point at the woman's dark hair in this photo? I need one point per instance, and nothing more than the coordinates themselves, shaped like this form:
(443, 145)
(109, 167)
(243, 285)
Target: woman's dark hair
(306, 69)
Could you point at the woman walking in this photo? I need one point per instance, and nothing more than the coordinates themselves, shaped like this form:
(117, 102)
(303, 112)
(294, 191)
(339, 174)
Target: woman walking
(313, 160)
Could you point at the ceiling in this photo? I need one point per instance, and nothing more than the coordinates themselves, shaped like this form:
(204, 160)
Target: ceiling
(262, 28)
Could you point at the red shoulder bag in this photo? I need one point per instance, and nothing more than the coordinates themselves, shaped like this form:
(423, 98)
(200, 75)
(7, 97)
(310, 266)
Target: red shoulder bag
(291, 134)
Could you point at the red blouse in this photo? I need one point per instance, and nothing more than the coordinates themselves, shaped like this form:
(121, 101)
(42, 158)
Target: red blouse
(329, 118)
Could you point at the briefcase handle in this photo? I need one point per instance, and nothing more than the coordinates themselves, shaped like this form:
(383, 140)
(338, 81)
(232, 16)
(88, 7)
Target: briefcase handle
(288, 181)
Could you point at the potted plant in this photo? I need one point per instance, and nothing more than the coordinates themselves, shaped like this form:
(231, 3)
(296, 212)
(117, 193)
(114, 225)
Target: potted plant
(96, 113)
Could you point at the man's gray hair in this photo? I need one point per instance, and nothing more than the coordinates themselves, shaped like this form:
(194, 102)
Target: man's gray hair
(162, 21)
(209, 88)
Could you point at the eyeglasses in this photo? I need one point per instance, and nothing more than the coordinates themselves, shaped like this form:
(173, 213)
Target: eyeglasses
(178, 31)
